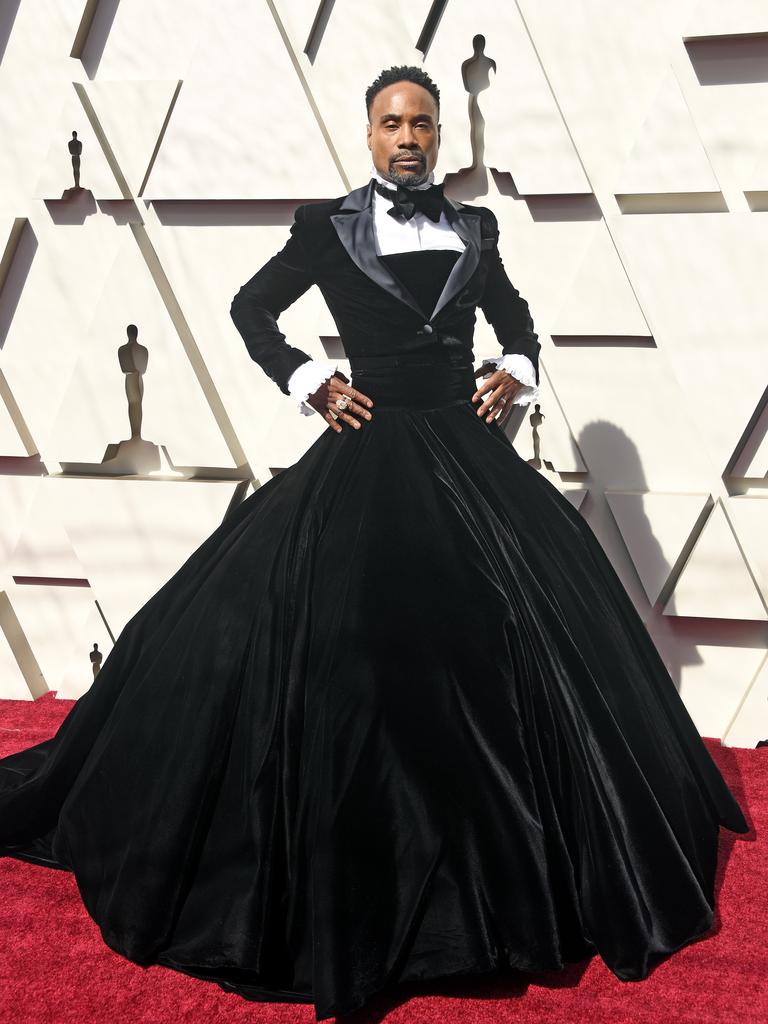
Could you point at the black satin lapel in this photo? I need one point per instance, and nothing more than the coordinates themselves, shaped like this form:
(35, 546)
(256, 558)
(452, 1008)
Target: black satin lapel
(467, 227)
(355, 231)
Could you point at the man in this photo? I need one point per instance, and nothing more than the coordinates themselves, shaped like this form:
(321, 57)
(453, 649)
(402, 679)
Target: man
(337, 245)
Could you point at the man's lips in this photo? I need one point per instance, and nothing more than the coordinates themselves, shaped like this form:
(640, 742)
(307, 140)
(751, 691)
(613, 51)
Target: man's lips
(409, 160)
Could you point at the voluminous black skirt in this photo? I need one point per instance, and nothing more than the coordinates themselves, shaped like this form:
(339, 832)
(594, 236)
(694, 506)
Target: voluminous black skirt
(396, 718)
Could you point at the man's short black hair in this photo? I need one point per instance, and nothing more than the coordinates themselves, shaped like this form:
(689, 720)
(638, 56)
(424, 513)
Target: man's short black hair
(402, 73)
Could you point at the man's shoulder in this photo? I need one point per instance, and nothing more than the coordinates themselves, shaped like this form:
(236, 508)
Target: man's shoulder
(488, 221)
(317, 212)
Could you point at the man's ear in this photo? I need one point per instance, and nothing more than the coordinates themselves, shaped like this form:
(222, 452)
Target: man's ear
(368, 135)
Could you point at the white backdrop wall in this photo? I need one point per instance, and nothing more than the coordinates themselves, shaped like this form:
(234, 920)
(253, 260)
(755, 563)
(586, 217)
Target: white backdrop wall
(624, 149)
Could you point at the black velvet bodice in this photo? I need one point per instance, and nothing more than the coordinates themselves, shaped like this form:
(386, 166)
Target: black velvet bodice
(423, 272)
(332, 244)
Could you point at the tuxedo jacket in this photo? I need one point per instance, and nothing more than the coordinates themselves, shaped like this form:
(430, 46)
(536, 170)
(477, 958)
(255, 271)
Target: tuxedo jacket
(332, 245)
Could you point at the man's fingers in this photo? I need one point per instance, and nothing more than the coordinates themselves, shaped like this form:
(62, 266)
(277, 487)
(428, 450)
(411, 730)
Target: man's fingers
(499, 384)
(506, 413)
(324, 400)
(493, 382)
(337, 389)
(359, 403)
(354, 407)
(501, 412)
(334, 417)
(332, 420)
(350, 420)
(497, 392)
(495, 412)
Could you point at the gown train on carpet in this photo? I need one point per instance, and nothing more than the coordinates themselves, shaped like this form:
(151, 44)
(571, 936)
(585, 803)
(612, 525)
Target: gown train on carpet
(396, 718)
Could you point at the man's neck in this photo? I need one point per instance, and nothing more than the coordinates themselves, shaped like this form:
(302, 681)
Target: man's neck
(393, 184)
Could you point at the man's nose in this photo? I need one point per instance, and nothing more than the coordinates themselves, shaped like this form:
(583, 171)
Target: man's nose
(407, 137)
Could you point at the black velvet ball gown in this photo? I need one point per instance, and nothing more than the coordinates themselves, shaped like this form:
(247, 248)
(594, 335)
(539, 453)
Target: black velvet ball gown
(396, 718)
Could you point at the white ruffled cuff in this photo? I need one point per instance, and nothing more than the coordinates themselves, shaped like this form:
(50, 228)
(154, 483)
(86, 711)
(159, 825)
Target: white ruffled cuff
(306, 379)
(522, 369)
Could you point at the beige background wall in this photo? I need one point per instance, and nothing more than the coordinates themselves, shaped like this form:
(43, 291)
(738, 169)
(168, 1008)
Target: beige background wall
(625, 152)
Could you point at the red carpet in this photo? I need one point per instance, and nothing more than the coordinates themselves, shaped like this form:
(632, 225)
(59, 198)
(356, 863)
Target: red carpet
(54, 966)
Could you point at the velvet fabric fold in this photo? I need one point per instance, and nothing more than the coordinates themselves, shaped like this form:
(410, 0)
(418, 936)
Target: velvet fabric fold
(395, 718)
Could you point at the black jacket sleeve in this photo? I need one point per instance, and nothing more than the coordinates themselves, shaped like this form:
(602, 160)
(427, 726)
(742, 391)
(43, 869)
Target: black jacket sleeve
(261, 300)
(507, 311)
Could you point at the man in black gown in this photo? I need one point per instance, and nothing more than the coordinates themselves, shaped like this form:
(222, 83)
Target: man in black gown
(397, 717)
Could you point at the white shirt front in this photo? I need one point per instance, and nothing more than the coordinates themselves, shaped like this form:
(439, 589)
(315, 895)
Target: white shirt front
(395, 235)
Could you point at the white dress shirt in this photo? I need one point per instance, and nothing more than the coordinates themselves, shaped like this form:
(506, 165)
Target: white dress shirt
(395, 235)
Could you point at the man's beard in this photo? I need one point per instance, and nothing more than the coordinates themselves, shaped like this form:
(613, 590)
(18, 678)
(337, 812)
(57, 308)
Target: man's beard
(408, 178)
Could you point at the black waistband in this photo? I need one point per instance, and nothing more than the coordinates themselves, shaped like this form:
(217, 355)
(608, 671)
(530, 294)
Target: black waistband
(405, 382)
(440, 358)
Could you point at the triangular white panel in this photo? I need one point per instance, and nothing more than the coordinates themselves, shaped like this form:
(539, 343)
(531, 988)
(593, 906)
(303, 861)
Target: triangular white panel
(729, 115)
(76, 675)
(604, 63)
(751, 459)
(600, 299)
(131, 536)
(576, 495)
(36, 76)
(131, 115)
(701, 281)
(749, 518)
(11, 230)
(715, 581)
(757, 179)
(231, 136)
(94, 409)
(713, 683)
(56, 180)
(13, 685)
(523, 128)
(10, 441)
(18, 495)
(667, 155)
(584, 289)
(43, 548)
(54, 313)
(714, 18)
(655, 528)
(147, 40)
(749, 725)
(52, 620)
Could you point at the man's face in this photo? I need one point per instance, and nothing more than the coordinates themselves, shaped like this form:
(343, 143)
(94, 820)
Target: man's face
(403, 133)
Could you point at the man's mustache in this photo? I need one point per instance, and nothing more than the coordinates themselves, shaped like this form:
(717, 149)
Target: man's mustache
(407, 156)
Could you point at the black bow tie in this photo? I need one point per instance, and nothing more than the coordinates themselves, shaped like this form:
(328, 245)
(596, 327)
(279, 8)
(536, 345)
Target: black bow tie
(407, 201)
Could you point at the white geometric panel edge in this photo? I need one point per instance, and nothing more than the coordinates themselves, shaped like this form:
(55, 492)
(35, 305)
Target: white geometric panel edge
(716, 580)
(655, 528)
